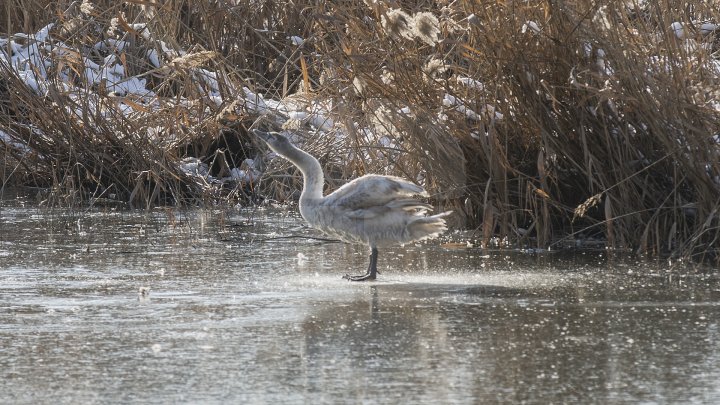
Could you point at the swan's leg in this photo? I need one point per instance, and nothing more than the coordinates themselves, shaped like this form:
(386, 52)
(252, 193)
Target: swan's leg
(371, 271)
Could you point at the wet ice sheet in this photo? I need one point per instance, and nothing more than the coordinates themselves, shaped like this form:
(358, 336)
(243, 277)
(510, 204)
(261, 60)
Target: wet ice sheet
(234, 314)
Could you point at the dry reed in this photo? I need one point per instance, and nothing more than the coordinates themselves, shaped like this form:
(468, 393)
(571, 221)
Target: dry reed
(537, 122)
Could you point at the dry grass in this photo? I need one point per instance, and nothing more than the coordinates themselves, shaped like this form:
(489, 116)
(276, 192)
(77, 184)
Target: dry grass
(538, 122)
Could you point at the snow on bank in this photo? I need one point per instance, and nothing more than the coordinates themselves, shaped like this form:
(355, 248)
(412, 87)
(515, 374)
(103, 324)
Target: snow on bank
(86, 74)
(89, 75)
(125, 64)
(247, 173)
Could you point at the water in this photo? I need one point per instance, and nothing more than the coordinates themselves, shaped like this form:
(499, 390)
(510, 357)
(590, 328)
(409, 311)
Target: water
(240, 311)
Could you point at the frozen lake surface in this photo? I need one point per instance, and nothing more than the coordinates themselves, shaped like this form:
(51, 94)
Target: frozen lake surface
(240, 310)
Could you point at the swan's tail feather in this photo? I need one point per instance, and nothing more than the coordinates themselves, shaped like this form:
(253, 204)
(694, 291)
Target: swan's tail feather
(428, 227)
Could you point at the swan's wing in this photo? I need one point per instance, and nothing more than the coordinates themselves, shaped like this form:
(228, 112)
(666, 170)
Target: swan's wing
(374, 191)
(367, 213)
(412, 207)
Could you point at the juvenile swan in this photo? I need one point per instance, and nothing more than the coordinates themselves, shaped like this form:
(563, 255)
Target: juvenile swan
(374, 210)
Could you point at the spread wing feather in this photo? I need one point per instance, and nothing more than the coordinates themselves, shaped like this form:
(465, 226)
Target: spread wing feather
(372, 191)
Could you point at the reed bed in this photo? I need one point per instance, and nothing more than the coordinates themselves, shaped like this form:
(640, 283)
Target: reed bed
(541, 124)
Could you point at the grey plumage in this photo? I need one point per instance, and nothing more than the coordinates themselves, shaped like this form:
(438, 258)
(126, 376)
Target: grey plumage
(373, 209)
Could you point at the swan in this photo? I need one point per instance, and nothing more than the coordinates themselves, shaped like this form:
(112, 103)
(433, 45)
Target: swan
(373, 209)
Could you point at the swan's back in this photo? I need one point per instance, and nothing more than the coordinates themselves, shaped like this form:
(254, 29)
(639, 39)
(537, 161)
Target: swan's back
(373, 190)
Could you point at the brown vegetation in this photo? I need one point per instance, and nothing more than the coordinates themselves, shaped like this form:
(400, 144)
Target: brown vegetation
(535, 121)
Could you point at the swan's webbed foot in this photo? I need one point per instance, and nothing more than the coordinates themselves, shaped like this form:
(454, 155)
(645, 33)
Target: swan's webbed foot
(371, 271)
(364, 277)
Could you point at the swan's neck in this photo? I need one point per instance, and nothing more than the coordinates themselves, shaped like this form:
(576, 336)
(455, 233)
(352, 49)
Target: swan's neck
(313, 178)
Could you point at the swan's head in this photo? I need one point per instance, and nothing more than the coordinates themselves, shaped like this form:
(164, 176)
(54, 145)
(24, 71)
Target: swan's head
(278, 143)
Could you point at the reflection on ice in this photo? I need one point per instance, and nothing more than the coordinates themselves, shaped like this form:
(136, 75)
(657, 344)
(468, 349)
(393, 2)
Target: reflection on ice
(232, 315)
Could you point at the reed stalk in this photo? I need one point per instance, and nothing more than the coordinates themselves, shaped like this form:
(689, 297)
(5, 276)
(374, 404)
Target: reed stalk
(538, 122)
